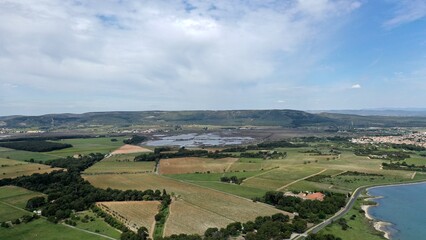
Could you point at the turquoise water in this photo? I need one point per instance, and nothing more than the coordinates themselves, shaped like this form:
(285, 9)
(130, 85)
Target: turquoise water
(405, 207)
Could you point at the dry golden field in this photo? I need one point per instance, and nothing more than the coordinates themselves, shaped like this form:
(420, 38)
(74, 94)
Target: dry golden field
(134, 214)
(187, 218)
(193, 164)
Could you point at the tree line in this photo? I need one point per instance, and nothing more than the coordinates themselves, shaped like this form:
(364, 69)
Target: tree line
(182, 152)
(35, 145)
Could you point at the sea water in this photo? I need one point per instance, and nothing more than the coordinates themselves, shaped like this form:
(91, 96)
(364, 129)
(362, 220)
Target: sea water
(404, 206)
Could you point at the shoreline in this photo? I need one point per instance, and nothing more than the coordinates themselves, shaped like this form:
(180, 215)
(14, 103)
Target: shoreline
(379, 225)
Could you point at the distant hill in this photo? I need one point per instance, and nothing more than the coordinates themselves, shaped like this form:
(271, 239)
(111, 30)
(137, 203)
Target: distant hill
(284, 118)
(380, 112)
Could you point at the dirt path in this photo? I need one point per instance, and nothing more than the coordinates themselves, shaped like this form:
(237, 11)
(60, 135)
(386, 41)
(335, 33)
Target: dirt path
(260, 174)
(414, 174)
(98, 234)
(301, 179)
(151, 233)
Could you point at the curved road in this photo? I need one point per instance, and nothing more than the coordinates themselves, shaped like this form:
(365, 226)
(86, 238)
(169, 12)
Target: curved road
(343, 211)
(339, 214)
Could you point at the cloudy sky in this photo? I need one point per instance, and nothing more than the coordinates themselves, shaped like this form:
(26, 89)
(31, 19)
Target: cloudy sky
(81, 55)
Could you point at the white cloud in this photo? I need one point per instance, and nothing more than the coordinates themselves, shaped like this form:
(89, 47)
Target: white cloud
(356, 86)
(407, 11)
(162, 53)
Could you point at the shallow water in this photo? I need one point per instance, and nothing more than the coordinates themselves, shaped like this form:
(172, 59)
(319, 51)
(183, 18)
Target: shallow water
(196, 140)
(403, 206)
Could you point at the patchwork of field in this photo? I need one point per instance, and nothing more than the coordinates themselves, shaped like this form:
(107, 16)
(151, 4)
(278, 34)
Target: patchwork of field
(134, 214)
(13, 200)
(127, 148)
(212, 203)
(275, 179)
(85, 146)
(12, 168)
(212, 180)
(193, 164)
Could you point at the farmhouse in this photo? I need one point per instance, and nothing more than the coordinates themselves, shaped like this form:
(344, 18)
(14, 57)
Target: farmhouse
(307, 196)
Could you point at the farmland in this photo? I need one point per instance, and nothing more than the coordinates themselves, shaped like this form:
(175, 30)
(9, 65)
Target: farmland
(211, 202)
(201, 198)
(43, 229)
(12, 168)
(12, 201)
(85, 146)
(87, 220)
(120, 163)
(192, 165)
(133, 214)
(25, 155)
(125, 149)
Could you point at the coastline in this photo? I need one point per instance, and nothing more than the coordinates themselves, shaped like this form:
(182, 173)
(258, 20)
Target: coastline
(379, 225)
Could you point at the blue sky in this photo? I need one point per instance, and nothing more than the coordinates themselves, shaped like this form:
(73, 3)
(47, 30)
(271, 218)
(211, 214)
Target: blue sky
(80, 56)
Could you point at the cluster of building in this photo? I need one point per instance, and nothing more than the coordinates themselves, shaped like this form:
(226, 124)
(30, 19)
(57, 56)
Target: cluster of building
(11, 131)
(415, 138)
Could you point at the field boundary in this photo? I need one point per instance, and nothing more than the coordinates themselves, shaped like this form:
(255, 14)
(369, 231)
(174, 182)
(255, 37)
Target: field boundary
(260, 174)
(301, 179)
(229, 194)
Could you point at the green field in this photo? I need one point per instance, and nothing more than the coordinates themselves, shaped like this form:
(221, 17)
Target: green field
(42, 229)
(106, 166)
(85, 146)
(25, 155)
(96, 224)
(359, 227)
(13, 200)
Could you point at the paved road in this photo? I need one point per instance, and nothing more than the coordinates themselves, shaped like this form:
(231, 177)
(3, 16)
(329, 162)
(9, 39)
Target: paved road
(339, 214)
(343, 211)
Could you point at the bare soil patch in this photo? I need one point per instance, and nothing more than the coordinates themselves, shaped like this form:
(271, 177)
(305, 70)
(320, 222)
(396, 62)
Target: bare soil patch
(127, 148)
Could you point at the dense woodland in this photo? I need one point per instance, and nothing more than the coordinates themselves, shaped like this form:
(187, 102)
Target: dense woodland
(311, 210)
(78, 165)
(35, 145)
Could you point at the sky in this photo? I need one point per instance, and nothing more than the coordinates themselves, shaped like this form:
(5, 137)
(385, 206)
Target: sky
(74, 56)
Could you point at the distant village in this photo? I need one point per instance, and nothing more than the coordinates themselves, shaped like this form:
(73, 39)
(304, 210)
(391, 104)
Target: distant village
(414, 138)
